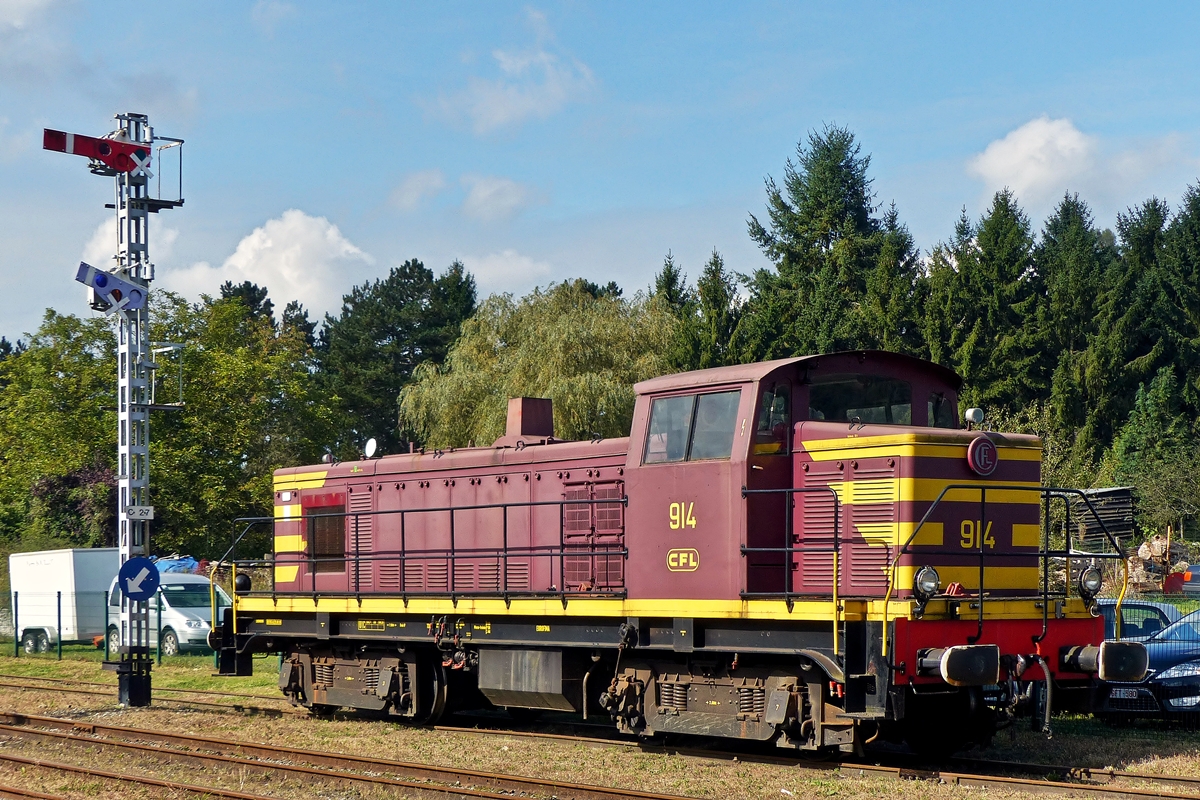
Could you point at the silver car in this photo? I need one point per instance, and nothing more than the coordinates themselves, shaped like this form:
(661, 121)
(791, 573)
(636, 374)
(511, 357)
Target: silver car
(186, 613)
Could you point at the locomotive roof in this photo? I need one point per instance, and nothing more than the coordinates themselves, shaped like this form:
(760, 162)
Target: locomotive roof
(742, 373)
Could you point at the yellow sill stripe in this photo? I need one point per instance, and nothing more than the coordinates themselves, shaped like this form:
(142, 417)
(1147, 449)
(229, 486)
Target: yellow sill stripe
(301, 480)
(820, 610)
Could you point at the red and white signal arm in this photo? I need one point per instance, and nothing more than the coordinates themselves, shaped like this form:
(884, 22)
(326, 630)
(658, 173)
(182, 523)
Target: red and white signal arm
(114, 153)
(982, 456)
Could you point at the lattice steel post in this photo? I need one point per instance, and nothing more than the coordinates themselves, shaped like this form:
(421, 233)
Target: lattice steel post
(127, 154)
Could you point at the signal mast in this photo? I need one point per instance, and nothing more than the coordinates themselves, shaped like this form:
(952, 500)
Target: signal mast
(122, 290)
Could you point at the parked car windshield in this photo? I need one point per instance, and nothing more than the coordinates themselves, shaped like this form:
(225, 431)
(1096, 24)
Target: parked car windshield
(1185, 630)
(192, 595)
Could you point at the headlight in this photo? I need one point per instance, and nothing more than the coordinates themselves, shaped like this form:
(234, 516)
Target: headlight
(926, 583)
(194, 623)
(1090, 582)
(1188, 669)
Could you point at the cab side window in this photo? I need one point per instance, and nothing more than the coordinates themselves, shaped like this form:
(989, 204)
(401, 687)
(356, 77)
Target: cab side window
(941, 412)
(774, 420)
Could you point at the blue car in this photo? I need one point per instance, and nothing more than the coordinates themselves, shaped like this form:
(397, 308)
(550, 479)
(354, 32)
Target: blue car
(1140, 619)
(1171, 689)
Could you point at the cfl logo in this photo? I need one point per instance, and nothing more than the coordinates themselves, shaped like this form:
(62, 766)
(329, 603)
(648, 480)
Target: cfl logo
(683, 560)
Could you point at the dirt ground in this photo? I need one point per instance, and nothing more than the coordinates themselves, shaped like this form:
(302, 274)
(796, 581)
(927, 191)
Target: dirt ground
(1077, 740)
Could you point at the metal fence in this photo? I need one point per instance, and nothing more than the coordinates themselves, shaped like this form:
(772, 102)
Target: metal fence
(41, 623)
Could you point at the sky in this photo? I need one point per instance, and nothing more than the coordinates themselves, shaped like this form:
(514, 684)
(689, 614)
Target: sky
(326, 143)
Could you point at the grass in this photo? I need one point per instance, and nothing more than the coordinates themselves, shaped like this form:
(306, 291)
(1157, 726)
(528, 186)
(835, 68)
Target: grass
(176, 672)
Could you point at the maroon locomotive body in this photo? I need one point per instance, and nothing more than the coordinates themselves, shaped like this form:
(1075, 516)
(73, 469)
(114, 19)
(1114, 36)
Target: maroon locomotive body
(813, 544)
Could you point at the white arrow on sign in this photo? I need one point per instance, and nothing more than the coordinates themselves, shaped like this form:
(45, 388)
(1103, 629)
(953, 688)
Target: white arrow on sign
(135, 584)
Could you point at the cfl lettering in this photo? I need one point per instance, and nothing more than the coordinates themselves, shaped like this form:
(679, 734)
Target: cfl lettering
(683, 560)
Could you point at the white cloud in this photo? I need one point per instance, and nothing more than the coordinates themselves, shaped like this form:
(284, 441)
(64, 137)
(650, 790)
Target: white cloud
(20, 13)
(416, 187)
(533, 83)
(267, 14)
(1037, 159)
(506, 271)
(490, 198)
(1045, 158)
(102, 246)
(296, 256)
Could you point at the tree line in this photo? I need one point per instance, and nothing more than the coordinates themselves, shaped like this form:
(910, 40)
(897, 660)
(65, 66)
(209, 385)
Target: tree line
(1085, 335)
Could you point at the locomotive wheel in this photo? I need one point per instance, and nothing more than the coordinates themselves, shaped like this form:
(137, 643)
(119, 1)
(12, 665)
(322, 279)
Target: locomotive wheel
(433, 691)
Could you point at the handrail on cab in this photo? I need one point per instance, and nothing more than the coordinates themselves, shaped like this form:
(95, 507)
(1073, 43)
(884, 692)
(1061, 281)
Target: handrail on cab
(251, 522)
(790, 550)
(1048, 492)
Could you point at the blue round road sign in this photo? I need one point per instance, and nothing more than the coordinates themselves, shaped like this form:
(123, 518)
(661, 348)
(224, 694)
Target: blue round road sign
(138, 578)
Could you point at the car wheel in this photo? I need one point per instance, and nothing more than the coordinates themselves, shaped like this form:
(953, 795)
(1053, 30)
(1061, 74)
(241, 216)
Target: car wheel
(168, 645)
(29, 642)
(43, 642)
(114, 641)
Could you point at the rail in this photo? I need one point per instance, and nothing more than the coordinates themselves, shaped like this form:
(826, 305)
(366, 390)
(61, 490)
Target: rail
(557, 554)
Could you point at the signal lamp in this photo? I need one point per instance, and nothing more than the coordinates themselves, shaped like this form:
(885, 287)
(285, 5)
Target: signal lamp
(1090, 582)
(926, 584)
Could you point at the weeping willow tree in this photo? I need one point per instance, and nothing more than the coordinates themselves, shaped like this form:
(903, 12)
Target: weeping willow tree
(581, 348)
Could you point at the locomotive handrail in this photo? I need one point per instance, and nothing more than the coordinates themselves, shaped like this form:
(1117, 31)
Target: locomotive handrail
(561, 552)
(251, 522)
(1048, 493)
(790, 549)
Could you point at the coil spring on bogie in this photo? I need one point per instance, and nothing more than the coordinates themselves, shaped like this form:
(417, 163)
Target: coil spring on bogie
(673, 695)
(370, 678)
(323, 674)
(752, 699)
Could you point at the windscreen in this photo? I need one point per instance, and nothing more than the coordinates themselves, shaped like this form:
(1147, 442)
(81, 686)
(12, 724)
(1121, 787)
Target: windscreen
(862, 398)
(192, 595)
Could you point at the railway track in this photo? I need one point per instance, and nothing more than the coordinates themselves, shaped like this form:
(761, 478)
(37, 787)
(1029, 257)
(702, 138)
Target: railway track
(110, 685)
(442, 782)
(111, 693)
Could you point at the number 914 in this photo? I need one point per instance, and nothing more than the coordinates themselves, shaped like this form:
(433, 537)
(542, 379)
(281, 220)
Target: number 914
(682, 515)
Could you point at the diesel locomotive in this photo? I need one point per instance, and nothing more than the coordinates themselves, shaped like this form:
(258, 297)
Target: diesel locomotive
(812, 551)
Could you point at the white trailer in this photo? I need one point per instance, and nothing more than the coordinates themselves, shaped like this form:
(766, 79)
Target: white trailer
(77, 578)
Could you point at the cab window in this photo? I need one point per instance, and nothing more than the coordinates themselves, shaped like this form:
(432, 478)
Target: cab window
(940, 412)
(691, 427)
(774, 420)
(864, 399)
(670, 423)
(716, 418)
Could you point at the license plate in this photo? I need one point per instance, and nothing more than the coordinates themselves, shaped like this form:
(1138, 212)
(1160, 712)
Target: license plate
(1123, 694)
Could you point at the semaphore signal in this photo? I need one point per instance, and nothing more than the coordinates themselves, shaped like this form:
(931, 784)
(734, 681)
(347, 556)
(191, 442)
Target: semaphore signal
(127, 155)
